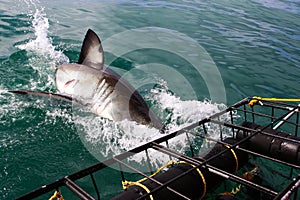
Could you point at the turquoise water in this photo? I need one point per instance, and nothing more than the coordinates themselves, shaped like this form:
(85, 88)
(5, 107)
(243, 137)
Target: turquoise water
(177, 53)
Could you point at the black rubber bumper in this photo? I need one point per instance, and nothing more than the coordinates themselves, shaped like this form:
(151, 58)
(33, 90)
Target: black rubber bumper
(191, 185)
(278, 148)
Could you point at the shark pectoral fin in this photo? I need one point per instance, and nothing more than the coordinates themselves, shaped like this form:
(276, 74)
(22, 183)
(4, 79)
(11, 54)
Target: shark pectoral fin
(92, 53)
(44, 94)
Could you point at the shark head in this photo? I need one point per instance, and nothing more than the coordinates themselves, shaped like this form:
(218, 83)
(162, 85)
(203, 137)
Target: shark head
(105, 92)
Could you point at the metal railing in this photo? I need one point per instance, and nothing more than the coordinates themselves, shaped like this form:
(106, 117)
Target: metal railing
(228, 123)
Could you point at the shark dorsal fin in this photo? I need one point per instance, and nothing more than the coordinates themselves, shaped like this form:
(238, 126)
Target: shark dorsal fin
(92, 53)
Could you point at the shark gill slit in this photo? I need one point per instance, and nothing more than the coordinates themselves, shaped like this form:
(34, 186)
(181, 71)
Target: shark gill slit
(103, 93)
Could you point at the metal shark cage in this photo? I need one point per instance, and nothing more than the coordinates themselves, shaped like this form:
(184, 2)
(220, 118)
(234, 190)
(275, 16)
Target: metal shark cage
(274, 140)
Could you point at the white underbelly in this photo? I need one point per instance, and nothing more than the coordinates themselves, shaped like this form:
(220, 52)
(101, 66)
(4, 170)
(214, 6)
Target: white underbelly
(108, 103)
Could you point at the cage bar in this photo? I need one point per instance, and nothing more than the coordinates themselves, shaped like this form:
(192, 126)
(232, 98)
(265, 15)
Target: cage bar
(268, 115)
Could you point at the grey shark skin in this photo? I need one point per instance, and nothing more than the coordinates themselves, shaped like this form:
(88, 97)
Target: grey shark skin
(105, 92)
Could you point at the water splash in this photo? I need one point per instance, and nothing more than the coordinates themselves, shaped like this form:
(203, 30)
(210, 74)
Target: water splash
(181, 113)
(42, 54)
(104, 138)
(42, 43)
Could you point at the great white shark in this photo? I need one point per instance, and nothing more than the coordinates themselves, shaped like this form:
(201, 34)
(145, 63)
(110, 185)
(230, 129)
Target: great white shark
(90, 83)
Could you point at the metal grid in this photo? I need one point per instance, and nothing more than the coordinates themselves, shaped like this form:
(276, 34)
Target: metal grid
(270, 115)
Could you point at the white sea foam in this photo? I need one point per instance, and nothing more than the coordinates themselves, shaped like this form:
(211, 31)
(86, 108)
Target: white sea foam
(43, 55)
(182, 112)
(10, 106)
(42, 43)
(104, 138)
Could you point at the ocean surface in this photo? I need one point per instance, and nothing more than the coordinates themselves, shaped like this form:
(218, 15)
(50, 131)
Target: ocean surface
(187, 58)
